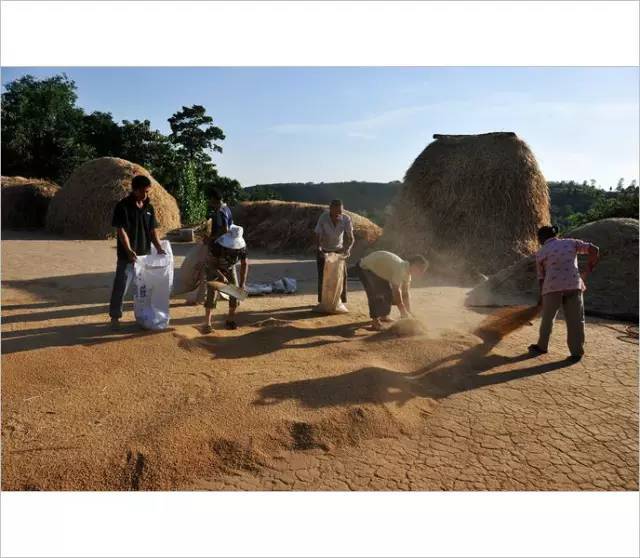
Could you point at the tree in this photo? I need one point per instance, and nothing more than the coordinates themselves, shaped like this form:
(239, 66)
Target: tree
(102, 134)
(193, 131)
(41, 128)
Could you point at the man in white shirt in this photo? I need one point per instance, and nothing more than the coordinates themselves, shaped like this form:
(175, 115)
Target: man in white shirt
(386, 278)
(334, 233)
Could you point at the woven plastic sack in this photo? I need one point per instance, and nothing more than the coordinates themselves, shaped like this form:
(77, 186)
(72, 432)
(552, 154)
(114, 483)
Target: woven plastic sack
(332, 284)
(191, 272)
(153, 279)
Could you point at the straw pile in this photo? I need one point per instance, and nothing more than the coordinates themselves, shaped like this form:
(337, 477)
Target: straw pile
(25, 201)
(472, 203)
(84, 206)
(612, 289)
(288, 226)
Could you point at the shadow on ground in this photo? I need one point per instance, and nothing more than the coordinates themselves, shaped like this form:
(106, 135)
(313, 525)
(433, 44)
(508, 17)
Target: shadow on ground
(458, 373)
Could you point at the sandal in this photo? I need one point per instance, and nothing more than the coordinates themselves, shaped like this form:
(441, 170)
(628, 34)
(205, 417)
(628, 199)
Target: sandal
(231, 324)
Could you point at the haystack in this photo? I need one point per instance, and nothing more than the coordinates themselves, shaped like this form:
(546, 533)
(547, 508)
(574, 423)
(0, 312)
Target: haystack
(25, 201)
(84, 206)
(278, 226)
(612, 289)
(472, 203)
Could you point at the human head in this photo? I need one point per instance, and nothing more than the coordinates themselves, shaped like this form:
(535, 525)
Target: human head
(140, 186)
(418, 265)
(216, 199)
(547, 232)
(335, 208)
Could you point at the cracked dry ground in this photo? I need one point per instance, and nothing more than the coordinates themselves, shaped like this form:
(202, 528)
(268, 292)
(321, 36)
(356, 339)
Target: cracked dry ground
(293, 400)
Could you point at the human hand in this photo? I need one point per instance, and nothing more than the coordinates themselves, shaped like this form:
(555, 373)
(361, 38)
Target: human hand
(161, 252)
(132, 255)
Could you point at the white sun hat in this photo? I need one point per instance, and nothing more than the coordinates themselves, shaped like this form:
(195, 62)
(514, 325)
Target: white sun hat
(233, 238)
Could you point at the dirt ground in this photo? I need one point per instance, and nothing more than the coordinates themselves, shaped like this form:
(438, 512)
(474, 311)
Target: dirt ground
(294, 400)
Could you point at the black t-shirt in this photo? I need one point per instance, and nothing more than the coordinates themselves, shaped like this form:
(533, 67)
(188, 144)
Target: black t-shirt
(137, 223)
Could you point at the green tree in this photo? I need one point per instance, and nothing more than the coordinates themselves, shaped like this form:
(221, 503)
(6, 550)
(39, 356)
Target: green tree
(192, 130)
(102, 134)
(41, 128)
(193, 203)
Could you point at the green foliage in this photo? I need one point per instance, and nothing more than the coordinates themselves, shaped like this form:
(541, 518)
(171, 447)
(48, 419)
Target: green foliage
(46, 136)
(41, 128)
(622, 203)
(192, 130)
(191, 198)
(259, 193)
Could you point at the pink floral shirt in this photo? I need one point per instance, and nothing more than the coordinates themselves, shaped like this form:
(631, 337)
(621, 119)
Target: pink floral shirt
(557, 264)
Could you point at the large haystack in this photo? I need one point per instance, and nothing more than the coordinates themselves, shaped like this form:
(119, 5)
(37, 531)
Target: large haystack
(84, 206)
(612, 289)
(288, 226)
(472, 203)
(25, 201)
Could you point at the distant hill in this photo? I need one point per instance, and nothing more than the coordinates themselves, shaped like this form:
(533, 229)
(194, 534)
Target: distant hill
(369, 199)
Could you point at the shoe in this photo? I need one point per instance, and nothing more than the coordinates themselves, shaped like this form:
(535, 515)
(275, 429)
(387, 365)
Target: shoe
(387, 319)
(535, 349)
(115, 324)
(231, 324)
(207, 328)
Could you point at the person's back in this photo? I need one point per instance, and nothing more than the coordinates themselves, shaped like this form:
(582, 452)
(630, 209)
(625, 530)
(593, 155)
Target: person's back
(558, 264)
(387, 266)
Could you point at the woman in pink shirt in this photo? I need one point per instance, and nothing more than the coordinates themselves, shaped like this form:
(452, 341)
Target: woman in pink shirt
(562, 284)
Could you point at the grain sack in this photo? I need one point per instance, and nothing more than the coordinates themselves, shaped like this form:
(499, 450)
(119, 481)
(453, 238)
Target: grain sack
(153, 276)
(332, 284)
(190, 275)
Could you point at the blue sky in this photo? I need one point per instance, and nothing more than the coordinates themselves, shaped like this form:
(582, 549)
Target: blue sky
(335, 124)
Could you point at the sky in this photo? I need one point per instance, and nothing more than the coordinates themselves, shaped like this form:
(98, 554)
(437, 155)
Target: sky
(342, 124)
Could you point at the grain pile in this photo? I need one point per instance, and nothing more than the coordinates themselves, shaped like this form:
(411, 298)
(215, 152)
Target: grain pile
(25, 201)
(288, 226)
(472, 203)
(84, 206)
(612, 289)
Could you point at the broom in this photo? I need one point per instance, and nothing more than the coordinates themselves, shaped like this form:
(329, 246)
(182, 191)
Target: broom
(506, 321)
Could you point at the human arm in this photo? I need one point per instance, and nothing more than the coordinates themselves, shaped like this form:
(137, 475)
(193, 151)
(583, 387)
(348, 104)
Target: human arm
(244, 272)
(349, 240)
(156, 241)
(318, 234)
(406, 299)
(396, 293)
(124, 238)
(594, 257)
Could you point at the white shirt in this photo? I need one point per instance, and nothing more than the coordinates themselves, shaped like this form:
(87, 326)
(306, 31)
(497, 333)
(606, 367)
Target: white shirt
(332, 236)
(387, 266)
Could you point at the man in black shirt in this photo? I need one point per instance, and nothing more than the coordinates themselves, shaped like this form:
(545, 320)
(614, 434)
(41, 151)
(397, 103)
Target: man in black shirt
(135, 221)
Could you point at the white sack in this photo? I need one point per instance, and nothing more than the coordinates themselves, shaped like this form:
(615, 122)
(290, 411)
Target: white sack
(153, 276)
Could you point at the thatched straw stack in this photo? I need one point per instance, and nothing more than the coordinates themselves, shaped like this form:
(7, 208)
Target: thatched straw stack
(84, 206)
(25, 201)
(288, 226)
(472, 203)
(612, 289)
